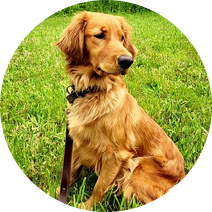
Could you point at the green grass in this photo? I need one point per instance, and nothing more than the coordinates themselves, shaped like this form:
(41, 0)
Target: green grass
(168, 80)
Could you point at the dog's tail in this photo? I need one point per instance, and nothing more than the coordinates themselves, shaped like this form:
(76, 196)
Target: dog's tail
(176, 200)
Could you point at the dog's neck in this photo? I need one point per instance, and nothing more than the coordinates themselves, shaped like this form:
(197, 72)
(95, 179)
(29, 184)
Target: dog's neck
(84, 77)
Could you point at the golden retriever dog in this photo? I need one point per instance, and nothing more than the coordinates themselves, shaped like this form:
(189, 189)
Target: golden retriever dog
(112, 134)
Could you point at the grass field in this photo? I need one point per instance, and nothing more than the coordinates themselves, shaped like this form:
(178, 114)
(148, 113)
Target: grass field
(168, 80)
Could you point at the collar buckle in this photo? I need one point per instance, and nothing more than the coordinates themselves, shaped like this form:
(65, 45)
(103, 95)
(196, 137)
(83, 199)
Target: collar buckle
(71, 94)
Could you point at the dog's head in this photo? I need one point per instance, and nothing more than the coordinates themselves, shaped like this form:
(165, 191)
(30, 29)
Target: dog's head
(101, 40)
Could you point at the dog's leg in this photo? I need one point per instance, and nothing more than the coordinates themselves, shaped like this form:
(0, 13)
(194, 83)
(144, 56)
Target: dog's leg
(76, 167)
(109, 169)
(153, 177)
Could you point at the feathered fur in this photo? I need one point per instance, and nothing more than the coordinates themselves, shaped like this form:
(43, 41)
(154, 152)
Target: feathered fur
(112, 134)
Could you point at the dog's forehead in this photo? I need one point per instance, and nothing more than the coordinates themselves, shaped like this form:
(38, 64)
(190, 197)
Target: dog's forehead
(103, 22)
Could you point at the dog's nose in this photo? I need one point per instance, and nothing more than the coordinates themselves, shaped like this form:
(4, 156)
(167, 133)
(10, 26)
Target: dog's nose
(125, 61)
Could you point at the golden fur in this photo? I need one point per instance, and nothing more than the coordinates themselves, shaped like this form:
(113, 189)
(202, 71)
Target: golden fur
(111, 132)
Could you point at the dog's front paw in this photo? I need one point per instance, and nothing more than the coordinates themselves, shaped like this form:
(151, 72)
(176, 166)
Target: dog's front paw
(83, 207)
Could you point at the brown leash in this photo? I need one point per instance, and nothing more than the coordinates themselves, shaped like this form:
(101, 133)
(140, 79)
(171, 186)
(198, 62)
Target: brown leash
(66, 173)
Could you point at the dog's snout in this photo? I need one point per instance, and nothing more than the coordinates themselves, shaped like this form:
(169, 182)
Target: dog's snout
(125, 61)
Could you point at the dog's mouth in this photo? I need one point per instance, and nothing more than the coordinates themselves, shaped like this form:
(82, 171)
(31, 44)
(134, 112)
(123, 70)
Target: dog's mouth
(101, 72)
(99, 69)
(124, 71)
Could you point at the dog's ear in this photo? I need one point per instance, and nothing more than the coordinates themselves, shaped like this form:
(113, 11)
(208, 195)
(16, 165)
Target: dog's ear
(127, 42)
(72, 42)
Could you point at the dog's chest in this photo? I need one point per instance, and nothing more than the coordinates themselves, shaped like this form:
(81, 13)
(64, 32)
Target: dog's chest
(90, 137)
(89, 146)
(100, 136)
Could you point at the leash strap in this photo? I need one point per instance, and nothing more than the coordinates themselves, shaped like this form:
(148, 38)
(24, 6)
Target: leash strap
(66, 173)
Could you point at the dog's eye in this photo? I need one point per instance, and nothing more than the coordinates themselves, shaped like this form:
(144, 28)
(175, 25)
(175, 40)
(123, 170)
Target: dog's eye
(122, 38)
(100, 36)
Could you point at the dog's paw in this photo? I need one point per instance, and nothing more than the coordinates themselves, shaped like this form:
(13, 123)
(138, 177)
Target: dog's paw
(83, 206)
(58, 191)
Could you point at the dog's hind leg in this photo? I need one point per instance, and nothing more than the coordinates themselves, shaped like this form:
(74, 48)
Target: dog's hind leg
(147, 185)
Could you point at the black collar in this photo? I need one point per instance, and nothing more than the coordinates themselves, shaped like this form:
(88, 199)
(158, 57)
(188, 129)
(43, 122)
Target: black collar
(73, 94)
